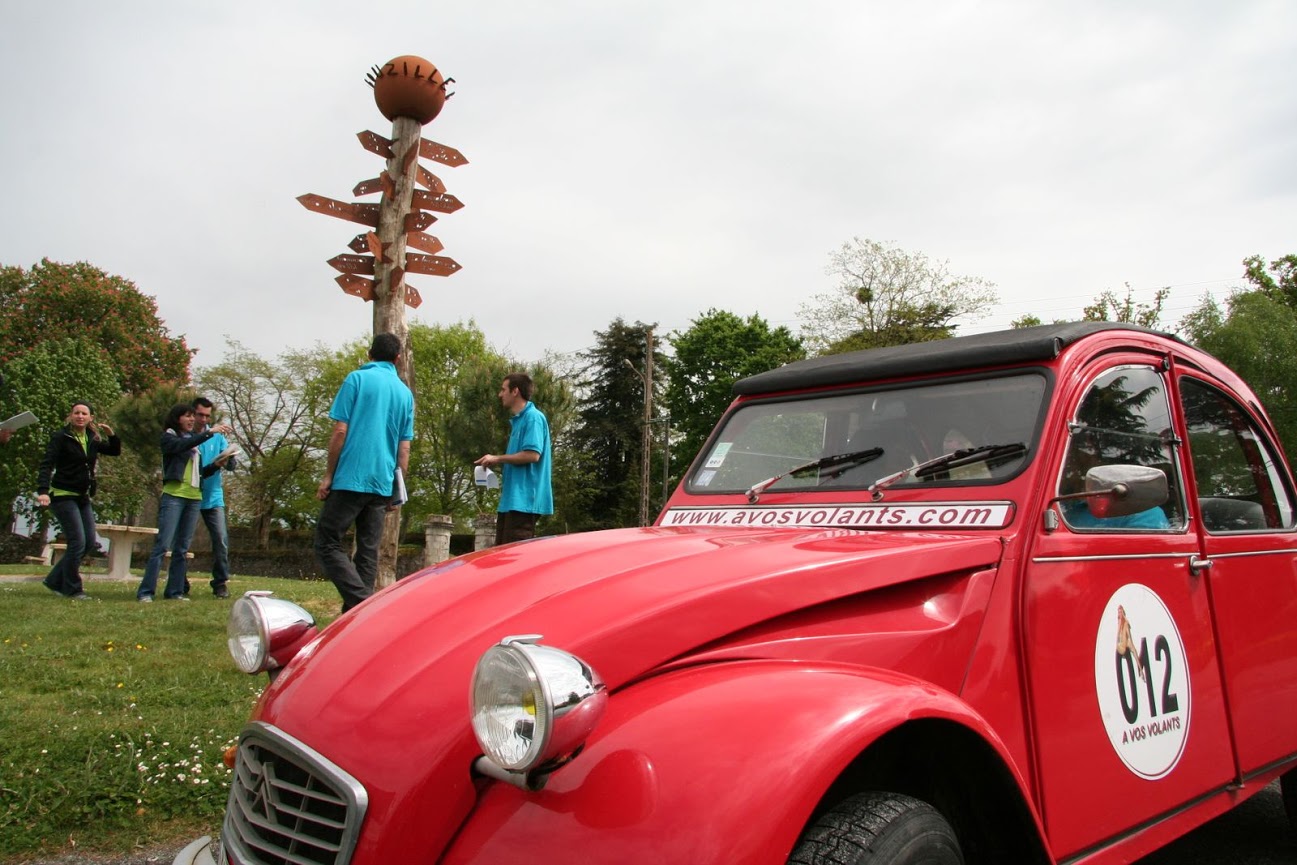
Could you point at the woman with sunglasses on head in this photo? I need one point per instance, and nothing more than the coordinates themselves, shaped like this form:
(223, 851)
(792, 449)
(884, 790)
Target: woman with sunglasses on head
(66, 483)
(182, 496)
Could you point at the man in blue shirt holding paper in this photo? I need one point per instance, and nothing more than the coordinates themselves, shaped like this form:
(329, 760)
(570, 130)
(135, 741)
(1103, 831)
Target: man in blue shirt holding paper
(212, 508)
(373, 424)
(525, 465)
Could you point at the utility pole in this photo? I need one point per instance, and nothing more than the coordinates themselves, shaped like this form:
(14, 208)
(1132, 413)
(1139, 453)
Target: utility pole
(646, 437)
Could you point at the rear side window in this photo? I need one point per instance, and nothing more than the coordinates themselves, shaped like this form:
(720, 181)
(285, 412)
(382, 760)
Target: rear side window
(1241, 487)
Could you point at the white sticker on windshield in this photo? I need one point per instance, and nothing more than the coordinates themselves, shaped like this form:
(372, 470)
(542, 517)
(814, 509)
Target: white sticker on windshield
(705, 477)
(718, 455)
(856, 515)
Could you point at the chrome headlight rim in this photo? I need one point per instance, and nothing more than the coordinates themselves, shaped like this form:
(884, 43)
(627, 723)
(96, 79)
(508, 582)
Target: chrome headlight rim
(559, 727)
(264, 632)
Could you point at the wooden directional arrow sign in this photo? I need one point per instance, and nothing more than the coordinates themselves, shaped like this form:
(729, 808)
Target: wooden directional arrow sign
(357, 286)
(428, 180)
(417, 221)
(445, 203)
(412, 297)
(365, 214)
(370, 243)
(375, 143)
(419, 240)
(437, 265)
(353, 264)
(381, 183)
(439, 153)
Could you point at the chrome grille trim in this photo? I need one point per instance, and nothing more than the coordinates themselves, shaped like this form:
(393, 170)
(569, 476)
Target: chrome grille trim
(289, 805)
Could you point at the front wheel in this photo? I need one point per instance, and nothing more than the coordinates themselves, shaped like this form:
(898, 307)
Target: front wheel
(1288, 785)
(879, 829)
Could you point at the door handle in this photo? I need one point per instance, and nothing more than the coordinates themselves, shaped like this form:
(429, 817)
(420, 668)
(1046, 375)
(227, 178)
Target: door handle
(1197, 566)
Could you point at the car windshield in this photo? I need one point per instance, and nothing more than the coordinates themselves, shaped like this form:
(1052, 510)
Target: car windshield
(782, 445)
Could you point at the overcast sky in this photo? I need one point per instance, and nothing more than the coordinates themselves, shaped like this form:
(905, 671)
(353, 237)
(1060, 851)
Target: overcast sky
(651, 160)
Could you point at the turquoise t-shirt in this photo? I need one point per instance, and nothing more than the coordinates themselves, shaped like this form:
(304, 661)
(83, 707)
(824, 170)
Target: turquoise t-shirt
(1079, 516)
(378, 410)
(526, 487)
(214, 484)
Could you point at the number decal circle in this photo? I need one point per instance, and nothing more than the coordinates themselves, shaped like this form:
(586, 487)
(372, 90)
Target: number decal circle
(1141, 678)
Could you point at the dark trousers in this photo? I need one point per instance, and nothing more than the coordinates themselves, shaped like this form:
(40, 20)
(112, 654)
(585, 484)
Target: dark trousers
(214, 519)
(353, 576)
(177, 519)
(513, 526)
(77, 521)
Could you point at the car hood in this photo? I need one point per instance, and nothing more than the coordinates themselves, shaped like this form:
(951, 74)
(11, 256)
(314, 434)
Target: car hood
(387, 686)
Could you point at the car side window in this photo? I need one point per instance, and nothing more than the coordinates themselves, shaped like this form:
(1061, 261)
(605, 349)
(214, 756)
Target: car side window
(1123, 419)
(1240, 485)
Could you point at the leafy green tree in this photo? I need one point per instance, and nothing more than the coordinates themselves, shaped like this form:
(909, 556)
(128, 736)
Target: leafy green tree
(888, 296)
(481, 425)
(46, 380)
(454, 370)
(717, 349)
(56, 301)
(136, 476)
(1256, 336)
(606, 440)
(280, 417)
(1108, 306)
(1276, 279)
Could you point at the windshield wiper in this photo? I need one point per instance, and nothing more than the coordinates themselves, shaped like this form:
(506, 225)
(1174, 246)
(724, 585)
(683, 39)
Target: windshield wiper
(852, 458)
(952, 460)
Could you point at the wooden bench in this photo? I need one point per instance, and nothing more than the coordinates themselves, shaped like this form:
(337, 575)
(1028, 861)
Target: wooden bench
(43, 559)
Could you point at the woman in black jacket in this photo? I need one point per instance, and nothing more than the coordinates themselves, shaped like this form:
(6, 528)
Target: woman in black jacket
(65, 484)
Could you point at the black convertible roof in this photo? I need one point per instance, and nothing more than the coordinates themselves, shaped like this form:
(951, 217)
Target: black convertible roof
(1001, 347)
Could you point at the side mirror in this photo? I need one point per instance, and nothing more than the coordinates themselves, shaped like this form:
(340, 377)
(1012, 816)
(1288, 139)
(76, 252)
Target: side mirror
(1121, 490)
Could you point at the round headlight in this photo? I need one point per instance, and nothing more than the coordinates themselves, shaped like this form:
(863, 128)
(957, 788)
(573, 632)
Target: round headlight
(264, 632)
(533, 706)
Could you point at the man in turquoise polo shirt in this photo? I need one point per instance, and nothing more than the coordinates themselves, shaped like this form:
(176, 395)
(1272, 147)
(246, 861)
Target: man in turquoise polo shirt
(525, 466)
(373, 423)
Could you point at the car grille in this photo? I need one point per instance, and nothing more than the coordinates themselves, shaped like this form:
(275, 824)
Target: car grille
(289, 805)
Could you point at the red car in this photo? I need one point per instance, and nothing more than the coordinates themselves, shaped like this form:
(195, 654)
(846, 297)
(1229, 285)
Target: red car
(1025, 596)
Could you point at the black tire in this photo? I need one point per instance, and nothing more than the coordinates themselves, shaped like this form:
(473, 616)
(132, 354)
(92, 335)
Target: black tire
(879, 829)
(1288, 784)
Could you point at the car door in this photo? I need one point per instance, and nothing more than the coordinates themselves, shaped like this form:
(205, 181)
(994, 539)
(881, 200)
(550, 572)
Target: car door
(1245, 507)
(1127, 715)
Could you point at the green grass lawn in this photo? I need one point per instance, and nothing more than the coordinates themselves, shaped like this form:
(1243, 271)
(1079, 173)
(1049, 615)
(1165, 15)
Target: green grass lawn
(114, 715)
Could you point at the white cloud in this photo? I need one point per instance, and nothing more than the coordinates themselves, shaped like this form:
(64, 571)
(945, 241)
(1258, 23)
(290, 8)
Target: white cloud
(651, 160)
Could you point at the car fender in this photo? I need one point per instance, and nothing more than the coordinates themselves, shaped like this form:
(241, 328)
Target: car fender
(722, 763)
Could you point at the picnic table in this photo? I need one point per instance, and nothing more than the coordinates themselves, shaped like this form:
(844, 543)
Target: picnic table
(122, 540)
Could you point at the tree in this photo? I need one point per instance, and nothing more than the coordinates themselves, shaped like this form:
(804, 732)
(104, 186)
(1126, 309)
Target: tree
(481, 425)
(718, 349)
(54, 301)
(1277, 280)
(888, 296)
(136, 477)
(279, 410)
(1109, 307)
(606, 441)
(458, 377)
(1256, 336)
(46, 381)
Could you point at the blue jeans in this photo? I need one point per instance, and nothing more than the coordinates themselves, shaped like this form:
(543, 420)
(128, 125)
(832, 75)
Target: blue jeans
(77, 521)
(353, 577)
(214, 519)
(177, 519)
